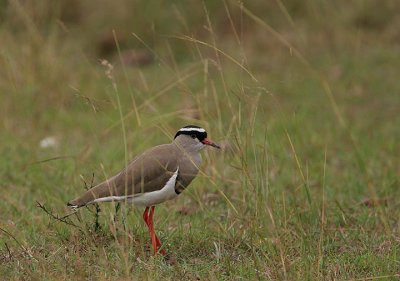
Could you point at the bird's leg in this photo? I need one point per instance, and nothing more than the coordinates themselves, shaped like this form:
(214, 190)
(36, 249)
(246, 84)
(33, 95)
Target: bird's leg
(158, 244)
(146, 215)
(148, 218)
(153, 234)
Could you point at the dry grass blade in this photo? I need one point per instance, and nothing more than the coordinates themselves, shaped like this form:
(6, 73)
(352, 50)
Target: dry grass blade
(24, 249)
(56, 217)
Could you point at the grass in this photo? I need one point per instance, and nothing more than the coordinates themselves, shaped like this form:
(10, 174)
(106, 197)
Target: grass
(304, 98)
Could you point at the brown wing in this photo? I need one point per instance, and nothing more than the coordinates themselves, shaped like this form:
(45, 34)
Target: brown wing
(148, 172)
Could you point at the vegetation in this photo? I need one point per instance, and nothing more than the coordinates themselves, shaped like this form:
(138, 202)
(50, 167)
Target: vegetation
(302, 95)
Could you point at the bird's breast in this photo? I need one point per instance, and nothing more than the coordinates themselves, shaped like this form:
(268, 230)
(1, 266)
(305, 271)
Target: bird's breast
(188, 170)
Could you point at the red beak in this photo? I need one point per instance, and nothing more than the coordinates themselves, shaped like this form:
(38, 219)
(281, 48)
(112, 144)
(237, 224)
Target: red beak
(208, 142)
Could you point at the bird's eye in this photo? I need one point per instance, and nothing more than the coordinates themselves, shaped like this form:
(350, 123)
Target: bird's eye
(193, 136)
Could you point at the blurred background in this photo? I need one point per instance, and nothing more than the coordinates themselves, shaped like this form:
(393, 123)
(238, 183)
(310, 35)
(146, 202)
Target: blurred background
(303, 96)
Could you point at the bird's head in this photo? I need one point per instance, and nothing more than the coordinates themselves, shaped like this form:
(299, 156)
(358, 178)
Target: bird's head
(194, 136)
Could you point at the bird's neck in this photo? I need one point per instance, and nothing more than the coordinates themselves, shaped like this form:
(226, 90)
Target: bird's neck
(188, 148)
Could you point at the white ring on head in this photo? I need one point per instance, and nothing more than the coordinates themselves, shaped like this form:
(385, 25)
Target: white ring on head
(201, 130)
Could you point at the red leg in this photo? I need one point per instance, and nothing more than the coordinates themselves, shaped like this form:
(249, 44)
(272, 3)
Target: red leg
(146, 215)
(148, 218)
(156, 242)
(151, 228)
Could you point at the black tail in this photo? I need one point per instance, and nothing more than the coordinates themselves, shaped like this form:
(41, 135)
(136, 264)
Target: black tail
(73, 206)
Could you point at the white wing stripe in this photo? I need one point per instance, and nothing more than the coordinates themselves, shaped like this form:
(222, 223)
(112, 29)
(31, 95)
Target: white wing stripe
(148, 198)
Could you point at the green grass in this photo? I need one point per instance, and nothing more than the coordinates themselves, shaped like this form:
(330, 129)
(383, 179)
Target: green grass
(307, 187)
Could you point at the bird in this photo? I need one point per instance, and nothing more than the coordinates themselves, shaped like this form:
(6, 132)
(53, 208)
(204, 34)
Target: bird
(157, 175)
